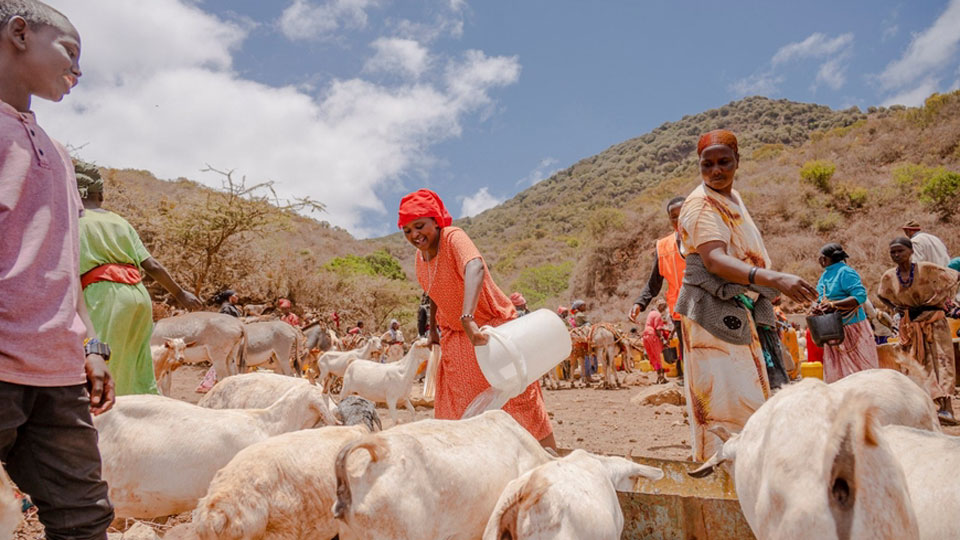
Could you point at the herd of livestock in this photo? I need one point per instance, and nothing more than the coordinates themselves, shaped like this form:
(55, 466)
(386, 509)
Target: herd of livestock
(276, 455)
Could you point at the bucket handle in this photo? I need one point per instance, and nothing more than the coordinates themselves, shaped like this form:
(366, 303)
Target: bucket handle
(519, 362)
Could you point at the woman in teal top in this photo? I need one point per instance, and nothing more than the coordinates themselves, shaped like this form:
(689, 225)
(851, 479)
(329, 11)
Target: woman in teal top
(841, 289)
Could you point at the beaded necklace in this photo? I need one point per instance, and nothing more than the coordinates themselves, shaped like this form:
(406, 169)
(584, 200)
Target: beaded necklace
(909, 281)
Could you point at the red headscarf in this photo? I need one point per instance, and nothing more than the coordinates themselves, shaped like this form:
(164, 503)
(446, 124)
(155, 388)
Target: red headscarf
(715, 137)
(420, 204)
(518, 299)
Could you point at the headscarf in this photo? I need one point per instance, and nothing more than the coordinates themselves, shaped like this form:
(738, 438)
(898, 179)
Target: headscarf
(420, 204)
(283, 303)
(834, 252)
(578, 305)
(88, 178)
(717, 136)
(903, 241)
(518, 299)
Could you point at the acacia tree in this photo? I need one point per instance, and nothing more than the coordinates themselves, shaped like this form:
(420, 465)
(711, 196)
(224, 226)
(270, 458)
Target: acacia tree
(208, 235)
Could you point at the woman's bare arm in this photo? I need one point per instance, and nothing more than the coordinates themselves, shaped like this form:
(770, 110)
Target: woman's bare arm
(734, 270)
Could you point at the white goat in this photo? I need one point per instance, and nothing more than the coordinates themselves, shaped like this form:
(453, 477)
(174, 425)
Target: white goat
(159, 454)
(167, 357)
(259, 391)
(10, 515)
(387, 383)
(567, 499)
(810, 464)
(337, 362)
(929, 461)
(895, 398)
(280, 488)
(457, 468)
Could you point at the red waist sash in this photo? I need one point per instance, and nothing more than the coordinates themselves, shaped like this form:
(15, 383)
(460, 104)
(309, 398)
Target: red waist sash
(117, 273)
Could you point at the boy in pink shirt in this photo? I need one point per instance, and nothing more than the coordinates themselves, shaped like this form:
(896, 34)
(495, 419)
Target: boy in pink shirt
(53, 373)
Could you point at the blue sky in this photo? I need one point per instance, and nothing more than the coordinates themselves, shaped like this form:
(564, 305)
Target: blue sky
(356, 102)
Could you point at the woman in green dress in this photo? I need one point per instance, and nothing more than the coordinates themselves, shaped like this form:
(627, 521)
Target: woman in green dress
(111, 257)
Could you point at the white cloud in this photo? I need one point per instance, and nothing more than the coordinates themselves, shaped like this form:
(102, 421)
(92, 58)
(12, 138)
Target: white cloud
(545, 169)
(929, 52)
(817, 45)
(890, 32)
(478, 202)
(762, 84)
(448, 22)
(833, 72)
(915, 95)
(400, 56)
(306, 20)
(171, 103)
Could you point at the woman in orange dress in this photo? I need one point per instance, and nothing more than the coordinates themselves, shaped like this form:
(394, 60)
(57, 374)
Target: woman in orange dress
(463, 297)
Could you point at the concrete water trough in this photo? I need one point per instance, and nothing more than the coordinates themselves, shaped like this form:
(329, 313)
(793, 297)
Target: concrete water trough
(678, 507)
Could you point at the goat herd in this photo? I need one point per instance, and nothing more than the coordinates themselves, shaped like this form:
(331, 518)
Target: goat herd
(267, 455)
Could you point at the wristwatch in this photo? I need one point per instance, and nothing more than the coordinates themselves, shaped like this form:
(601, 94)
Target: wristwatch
(95, 346)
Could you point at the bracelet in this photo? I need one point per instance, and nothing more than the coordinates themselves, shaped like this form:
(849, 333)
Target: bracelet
(752, 277)
(466, 316)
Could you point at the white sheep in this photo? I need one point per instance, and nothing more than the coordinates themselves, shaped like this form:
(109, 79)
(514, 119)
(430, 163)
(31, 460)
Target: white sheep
(280, 488)
(159, 454)
(167, 358)
(337, 362)
(432, 478)
(567, 499)
(10, 515)
(387, 383)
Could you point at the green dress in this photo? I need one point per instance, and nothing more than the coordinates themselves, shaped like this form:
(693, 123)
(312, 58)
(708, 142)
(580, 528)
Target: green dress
(122, 314)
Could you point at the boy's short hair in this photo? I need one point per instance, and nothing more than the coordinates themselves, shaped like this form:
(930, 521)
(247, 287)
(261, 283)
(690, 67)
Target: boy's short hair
(32, 11)
(674, 201)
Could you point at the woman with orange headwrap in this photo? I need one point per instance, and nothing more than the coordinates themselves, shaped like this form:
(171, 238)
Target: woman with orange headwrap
(731, 348)
(463, 297)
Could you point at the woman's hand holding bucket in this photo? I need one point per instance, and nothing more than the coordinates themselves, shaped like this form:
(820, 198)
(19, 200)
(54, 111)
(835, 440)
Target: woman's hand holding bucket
(477, 338)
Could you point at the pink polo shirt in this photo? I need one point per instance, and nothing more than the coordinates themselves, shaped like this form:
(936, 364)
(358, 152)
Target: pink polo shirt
(41, 334)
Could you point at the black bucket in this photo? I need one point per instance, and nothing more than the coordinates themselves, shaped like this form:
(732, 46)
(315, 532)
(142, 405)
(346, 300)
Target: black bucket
(826, 329)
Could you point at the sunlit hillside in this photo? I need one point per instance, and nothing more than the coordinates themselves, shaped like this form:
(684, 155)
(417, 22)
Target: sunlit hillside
(809, 175)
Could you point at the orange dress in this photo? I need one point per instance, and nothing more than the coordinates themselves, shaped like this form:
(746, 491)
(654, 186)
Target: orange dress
(459, 379)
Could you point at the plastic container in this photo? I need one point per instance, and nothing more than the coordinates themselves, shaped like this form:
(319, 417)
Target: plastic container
(811, 369)
(517, 354)
(826, 329)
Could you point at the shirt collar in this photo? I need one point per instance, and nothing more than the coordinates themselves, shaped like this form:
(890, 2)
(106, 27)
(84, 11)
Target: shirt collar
(9, 110)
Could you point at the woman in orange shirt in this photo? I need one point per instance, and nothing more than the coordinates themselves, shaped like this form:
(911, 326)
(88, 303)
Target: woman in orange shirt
(463, 297)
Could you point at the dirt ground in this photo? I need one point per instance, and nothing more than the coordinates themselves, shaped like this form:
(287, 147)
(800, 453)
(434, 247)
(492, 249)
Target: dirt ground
(601, 421)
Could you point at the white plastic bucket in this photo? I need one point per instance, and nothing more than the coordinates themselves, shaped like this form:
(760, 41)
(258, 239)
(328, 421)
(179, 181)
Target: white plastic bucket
(523, 350)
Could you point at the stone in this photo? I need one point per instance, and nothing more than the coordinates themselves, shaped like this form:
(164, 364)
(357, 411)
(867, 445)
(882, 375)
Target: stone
(658, 395)
(140, 531)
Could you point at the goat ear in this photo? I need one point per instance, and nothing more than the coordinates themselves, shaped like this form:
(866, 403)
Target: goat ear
(854, 430)
(191, 343)
(168, 343)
